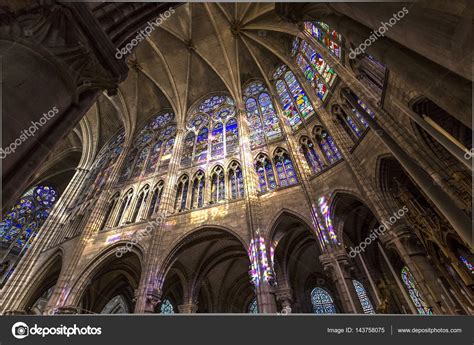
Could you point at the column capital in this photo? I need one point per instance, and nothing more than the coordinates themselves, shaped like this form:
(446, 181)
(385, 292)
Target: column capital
(153, 298)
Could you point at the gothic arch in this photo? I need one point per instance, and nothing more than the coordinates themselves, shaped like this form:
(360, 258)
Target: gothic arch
(47, 276)
(98, 262)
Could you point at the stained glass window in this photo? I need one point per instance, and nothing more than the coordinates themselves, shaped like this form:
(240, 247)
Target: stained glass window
(236, 181)
(218, 185)
(415, 295)
(126, 200)
(266, 177)
(363, 298)
(257, 136)
(155, 199)
(217, 141)
(252, 307)
(314, 78)
(181, 194)
(284, 167)
(294, 101)
(166, 307)
(329, 38)
(188, 149)
(312, 157)
(466, 263)
(261, 114)
(214, 114)
(197, 194)
(128, 166)
(322, 302)
(231, 136)
(21, 224)
(320, 75)
(137, 169)
(201, 145)
(328, 147)
(154, 157)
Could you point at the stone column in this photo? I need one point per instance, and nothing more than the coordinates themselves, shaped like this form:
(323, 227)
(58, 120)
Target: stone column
(458, 219)
(150, 282)
(335, 263)
(396, 277)
(263, 289)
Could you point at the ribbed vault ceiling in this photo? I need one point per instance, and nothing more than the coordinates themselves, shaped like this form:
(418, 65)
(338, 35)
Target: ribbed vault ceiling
(200, 49)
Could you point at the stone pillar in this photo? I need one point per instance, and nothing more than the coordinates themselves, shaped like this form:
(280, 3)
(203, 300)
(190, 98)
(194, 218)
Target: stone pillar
(458, 219)
(263, 290)
(396, 277)
(151, 282)
(285, 297)
(336, 263)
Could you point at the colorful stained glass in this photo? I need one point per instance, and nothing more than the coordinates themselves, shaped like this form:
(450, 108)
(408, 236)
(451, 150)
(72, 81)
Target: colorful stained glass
(285, 170)
(326, 36)
(314, 78)
(188, 149)
(154, 157)
(217, 141)
(270, 120)
(322, 302)
(218, 185)
(295, 46)
(363, 298)
(318, 64)
(257, 137)
(299, 96)
(328, 147)
(312, 157)
(140, 162)
(166, 307)
(21, 224)
(223, 113)
(197, 194)
(212, 103)
(197, 121)
(265, 174)
(236, 182)
(167, 150)
(289, 108)
(201, 145)
(252, 307)
(415, 295)
(128, 166)
(231, 136)
(466, 263)
(161, 120)
(261, 113)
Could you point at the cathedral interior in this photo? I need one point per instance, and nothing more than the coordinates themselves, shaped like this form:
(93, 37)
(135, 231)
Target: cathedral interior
(236, 158)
